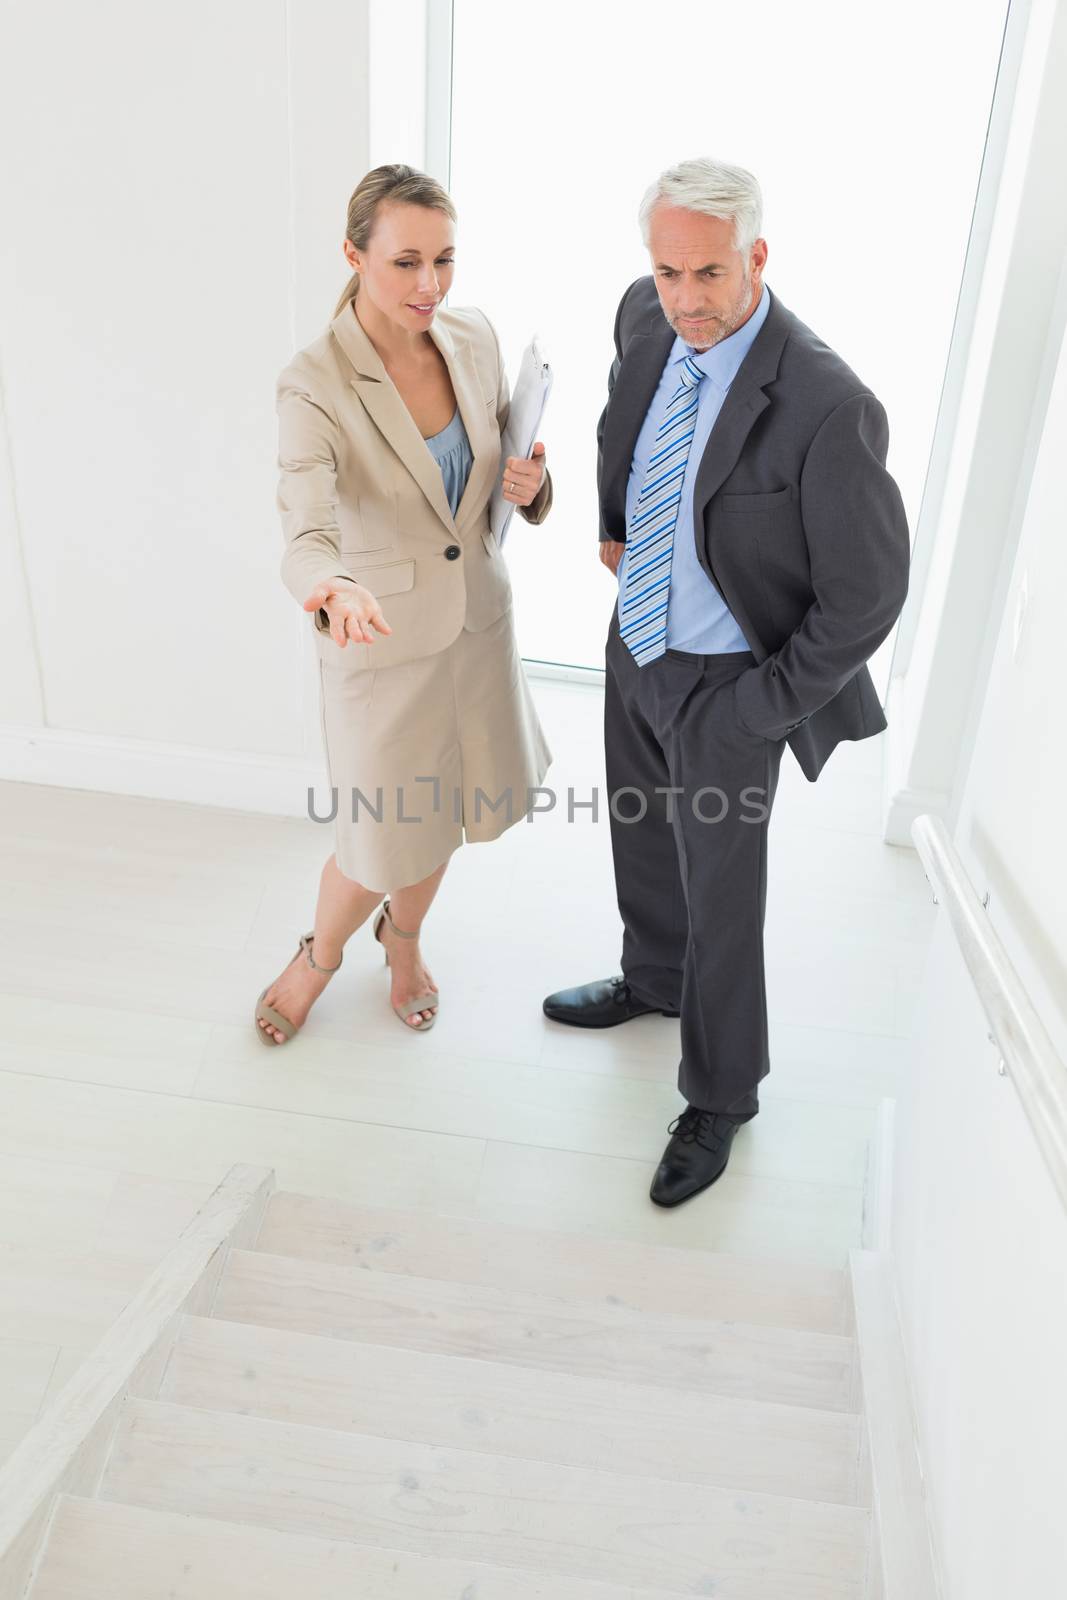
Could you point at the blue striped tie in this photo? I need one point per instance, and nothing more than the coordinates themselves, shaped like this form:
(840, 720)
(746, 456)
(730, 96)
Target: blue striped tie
(650, 537)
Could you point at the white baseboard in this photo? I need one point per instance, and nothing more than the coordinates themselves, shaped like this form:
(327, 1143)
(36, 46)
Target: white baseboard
(590, 677)
(271, 785)
(878, 1189)
(274, 786)
(902, 1563)
(902, 802)
(902, 806)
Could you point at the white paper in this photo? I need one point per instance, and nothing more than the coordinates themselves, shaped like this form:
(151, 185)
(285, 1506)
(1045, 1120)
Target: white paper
(528, 399)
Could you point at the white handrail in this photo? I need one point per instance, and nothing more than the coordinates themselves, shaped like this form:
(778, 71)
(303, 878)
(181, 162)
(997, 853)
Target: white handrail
(1027, 1053)
(65, 1450)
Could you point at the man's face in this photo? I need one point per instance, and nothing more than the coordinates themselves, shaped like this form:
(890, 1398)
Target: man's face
(707, 290)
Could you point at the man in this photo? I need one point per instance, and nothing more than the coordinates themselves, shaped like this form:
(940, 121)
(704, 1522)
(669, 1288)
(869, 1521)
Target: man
(762, 554)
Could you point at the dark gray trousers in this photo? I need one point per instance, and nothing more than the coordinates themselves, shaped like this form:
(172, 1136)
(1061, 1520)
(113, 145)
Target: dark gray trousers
(691, 859)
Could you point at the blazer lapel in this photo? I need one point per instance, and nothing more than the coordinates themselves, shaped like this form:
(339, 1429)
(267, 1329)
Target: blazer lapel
(635, 384)
(744, 402)
(482, 434)
(382, 401)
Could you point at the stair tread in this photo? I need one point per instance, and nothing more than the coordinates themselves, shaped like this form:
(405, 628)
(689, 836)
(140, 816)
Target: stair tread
(792, 1366)
(473, 1404)
(504, 1254)
(105, 1550)
(570, 1521)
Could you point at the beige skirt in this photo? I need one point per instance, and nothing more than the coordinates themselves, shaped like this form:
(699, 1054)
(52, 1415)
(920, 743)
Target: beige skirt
(427, 754)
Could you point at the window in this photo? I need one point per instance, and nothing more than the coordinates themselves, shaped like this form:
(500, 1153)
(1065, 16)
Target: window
(865, 131)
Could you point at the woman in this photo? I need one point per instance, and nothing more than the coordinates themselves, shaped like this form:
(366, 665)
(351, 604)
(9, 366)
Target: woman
(389, 452)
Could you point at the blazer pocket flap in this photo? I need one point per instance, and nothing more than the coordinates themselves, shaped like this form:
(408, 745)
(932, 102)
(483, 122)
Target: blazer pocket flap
(757, 502)
(392, 577)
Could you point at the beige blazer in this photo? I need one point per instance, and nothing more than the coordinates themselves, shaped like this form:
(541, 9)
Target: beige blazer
(360, 495)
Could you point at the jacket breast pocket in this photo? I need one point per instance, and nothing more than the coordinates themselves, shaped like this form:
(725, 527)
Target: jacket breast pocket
(742, 504)
(372, 524)
(389, 577)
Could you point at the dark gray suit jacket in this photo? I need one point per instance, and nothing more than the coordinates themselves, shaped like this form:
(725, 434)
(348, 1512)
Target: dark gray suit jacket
(797, 522)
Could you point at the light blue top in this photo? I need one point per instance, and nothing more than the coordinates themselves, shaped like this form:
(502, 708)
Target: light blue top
(698, 618)
(451, 450)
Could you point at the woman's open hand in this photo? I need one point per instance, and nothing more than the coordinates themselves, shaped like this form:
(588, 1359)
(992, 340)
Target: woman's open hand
(352, 610)
(524, 475)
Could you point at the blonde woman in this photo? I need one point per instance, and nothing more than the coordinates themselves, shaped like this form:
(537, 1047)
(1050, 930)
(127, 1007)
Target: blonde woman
(389, 427)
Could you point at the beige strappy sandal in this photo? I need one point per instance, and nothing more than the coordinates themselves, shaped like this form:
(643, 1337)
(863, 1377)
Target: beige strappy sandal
(275, 1018)
(421, 1002)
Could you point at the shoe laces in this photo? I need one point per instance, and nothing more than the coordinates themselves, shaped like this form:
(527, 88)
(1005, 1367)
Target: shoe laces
(697, 1126)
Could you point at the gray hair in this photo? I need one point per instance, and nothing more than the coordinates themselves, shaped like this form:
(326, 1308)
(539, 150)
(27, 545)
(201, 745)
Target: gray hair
(714, 187)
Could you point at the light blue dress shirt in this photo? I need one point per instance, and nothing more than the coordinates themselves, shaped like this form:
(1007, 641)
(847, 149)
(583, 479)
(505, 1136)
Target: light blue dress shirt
(451, 450)
(698, 618)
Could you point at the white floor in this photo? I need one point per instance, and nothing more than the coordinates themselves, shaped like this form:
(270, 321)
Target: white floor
(135, 935)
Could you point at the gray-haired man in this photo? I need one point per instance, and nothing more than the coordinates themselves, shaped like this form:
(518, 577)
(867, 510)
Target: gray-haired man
(762, 553)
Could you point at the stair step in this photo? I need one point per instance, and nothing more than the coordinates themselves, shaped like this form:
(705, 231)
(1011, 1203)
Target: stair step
(469, 1404)
(785, 1365)
(645, 1277)
(102, 1550)
(545, 1518)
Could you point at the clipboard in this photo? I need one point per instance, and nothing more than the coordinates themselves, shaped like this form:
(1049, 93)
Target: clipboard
(528, 401)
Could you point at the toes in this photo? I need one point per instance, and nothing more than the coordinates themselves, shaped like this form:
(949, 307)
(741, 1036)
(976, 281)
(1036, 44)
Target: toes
(418, 1016)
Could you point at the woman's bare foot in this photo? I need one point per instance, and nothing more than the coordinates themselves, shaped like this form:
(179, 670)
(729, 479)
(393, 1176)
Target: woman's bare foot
(294, 993)
(409, 976)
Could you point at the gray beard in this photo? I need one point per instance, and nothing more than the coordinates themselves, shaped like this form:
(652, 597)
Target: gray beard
(732, 321)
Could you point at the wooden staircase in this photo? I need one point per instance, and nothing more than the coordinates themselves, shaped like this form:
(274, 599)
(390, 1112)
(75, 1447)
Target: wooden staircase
(402, 1406)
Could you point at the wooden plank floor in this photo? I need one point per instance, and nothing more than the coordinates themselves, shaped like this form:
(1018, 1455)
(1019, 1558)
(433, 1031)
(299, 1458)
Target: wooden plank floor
(571, 1521)
(135, 935)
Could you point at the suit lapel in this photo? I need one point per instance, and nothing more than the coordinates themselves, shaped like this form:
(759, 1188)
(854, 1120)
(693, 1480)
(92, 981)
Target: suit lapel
(482, 434)
(731, 428)
(744, 402)
(635, 384)
(382, 401)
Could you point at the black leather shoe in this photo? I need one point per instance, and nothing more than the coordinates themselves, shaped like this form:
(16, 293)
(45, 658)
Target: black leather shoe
(598, 1005)
(696, 1155)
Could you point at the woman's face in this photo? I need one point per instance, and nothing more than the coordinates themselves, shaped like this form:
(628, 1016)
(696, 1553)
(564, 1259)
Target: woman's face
(406, 271)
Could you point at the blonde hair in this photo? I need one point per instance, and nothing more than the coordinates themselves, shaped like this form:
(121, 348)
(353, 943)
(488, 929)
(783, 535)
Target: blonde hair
(396, 181)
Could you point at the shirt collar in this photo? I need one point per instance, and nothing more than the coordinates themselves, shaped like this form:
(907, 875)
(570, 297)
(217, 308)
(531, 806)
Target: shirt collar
(722, 361)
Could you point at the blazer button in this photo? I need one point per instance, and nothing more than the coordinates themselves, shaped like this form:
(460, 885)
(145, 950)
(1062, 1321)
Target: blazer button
(452, 551)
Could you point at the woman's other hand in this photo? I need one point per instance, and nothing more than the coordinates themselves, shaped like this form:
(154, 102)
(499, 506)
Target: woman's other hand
(524, 475)
(352, 611)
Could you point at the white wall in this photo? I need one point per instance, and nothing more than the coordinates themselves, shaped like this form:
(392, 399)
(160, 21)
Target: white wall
(979, 1236)
(173, 194)
(172, 221)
